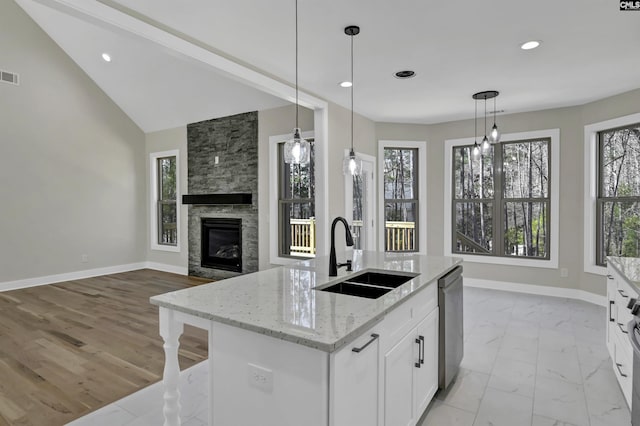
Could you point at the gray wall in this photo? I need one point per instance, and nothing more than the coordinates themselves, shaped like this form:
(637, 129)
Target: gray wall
(72, 163)
(571, 122)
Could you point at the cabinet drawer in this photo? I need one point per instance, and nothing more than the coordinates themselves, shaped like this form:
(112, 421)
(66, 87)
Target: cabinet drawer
(623, 368)
(402, 319)
(623, 345)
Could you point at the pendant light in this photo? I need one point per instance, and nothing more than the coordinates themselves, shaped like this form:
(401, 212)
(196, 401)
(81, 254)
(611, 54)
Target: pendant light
(476, 147)
(487, 94)
(297, 150)
(495, 134)
(485, 140)
(352, 164)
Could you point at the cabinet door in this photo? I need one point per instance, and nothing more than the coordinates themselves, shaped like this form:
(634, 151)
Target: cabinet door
(354, 383)
(399, 364)
(612, 310)
(425, 383)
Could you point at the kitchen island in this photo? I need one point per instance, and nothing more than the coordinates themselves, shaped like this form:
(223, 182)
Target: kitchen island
(623, 286)
(283, 352)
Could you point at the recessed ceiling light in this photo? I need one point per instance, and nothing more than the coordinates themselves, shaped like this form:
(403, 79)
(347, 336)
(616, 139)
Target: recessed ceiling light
(530, 45)
(346, 84)
(106, 57)
(405, 74)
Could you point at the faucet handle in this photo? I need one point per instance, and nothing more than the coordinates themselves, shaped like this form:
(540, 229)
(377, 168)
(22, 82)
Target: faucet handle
(349, 265)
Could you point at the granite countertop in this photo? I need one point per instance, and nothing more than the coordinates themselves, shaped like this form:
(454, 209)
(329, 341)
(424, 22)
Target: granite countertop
(281, 302)
(629, 268)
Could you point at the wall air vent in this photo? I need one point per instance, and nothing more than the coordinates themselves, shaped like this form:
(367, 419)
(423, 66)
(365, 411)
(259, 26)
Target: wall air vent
(9, 77)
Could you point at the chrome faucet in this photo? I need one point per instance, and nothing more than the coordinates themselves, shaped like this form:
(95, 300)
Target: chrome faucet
(333, 265)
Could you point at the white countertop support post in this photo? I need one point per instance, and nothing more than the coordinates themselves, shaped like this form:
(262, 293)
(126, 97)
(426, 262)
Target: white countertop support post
(170, 330)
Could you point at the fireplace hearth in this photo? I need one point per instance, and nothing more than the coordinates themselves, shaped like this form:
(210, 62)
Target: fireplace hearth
(221, 244)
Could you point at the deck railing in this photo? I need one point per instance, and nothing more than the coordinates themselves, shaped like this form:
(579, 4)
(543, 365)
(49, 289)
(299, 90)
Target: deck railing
(303, 237)
(399, 236)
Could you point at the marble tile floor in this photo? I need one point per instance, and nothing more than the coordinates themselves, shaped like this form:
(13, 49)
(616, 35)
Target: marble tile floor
(529, 360)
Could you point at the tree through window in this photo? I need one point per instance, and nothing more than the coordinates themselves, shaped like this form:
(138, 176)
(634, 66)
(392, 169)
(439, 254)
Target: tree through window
(501, 200)
(618, 202)
(296, 206)
(401, 199)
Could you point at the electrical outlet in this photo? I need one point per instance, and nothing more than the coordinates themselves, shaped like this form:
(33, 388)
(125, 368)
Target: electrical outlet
(564, 272)
(216, 160)
(260, 377)
(84, 258)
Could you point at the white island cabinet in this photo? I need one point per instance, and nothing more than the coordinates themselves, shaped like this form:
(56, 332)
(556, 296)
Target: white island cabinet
(283, 353)
(622, 274)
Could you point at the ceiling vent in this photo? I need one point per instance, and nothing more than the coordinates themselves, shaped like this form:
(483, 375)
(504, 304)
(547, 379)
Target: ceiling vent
(9, 77)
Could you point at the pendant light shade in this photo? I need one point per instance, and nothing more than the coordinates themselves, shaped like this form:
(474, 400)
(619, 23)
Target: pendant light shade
(352, 164)
(297, 150)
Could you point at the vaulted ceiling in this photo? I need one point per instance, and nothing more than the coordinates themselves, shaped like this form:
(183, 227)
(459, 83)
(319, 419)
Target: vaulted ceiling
(588, 52)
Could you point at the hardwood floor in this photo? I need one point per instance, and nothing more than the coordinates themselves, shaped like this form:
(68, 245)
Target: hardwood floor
(67, 349)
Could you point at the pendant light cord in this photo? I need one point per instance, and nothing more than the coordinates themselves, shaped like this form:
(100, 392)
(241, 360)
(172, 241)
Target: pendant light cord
(485, 116)
(475, 123)
(297, 64)
(352, 93)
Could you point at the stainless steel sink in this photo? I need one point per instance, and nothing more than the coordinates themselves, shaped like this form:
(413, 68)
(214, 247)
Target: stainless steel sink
(368, 284)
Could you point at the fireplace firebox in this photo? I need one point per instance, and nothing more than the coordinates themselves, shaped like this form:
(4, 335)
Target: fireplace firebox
(222, 244)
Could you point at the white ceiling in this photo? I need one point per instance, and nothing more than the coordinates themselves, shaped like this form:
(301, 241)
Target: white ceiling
(589, 51)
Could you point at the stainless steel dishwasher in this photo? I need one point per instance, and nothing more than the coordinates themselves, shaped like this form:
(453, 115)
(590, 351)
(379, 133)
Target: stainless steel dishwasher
(451, 333)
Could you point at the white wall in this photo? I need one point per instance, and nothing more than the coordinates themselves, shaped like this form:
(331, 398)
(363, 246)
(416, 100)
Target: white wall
(72, 163)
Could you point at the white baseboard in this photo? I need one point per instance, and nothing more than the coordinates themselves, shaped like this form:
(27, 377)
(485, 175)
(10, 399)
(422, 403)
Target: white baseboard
(89, 273)
(70, 276)
(180, 270)
(541, 290)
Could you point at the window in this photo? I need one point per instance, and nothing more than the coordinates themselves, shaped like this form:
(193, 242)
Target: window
(618, 193)
(504, 210)
(164, 206)
(296, 207)
(401, 204)
(501, 207)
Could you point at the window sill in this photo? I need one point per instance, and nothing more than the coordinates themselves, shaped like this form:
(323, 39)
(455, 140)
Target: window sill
(595, 269)
(531, 263)
(160, 247)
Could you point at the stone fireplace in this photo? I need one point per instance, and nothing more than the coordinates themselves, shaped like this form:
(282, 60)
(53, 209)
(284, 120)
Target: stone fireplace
(223, 191)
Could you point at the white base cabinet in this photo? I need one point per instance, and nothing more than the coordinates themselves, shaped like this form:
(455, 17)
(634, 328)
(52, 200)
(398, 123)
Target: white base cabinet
(618, 316)
(413, 360)
(388, 380)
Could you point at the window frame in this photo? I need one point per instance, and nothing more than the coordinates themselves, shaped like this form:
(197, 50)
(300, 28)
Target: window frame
(553, 135)
(499, 202)
(275, 258)
(288, 201)
(600, 198)
(155, 201)
(591, 165)
(421, 190)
